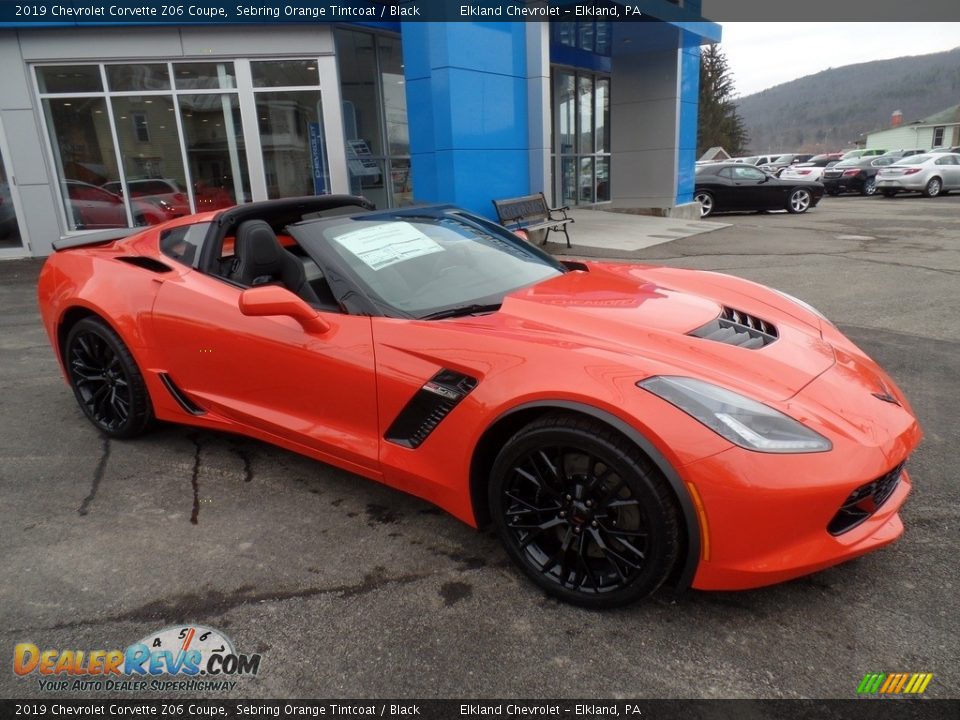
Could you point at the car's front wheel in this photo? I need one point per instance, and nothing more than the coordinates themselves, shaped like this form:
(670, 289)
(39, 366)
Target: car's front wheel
(583, 512)
(933, 187)
(799, 200)
(869, 186)
(105, 379)
(706, 202)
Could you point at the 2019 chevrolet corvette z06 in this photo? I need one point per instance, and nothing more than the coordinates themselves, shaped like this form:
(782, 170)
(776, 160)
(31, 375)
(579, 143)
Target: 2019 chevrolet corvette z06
(621, 426)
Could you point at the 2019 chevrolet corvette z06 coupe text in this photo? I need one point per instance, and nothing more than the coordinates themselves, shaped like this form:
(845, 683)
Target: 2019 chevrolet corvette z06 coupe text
(621, 426)
(727, 187)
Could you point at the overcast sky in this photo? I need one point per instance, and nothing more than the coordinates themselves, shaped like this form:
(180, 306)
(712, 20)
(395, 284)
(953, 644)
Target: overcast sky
(762, 55)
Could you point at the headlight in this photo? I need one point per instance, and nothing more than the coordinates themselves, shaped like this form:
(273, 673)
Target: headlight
(801, 303)
(740, 420)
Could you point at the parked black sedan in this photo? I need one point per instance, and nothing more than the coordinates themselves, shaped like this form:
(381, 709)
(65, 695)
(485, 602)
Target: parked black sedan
(858, 175)
(726, 187)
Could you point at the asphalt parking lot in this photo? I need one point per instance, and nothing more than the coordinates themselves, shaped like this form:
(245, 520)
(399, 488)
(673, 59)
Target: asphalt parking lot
(349, 589)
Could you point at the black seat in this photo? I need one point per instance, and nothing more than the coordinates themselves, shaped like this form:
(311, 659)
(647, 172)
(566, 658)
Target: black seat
(260, 259)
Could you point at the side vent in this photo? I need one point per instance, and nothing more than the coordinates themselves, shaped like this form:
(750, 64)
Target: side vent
(145, 262)
(734, 327)
(183, 400)
(428, 407)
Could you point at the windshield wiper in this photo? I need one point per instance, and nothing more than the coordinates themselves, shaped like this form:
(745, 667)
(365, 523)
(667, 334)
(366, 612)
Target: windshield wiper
(459, 310)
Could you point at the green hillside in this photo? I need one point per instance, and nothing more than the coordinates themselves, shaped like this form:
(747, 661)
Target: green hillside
(832, 109)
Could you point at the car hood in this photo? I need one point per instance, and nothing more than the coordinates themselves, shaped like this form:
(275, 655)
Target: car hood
(647, 314)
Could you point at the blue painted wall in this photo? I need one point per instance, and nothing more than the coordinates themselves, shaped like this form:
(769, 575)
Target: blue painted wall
(467, 109)
(687, 132)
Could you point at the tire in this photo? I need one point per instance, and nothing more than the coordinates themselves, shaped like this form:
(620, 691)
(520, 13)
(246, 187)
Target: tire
(869, 187)
(707, 203)
(888, 193)
(799, 201)
(583, 512)
(933, 188)
(105, 379)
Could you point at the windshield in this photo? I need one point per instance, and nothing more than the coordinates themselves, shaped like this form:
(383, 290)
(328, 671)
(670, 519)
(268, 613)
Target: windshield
(784, 159)
(426, 264)
(849, 163)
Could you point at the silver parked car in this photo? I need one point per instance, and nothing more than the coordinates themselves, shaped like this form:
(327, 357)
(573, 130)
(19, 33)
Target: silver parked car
(930, 174)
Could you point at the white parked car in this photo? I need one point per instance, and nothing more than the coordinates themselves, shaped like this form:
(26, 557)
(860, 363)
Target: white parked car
(930, 174)
(811, 170)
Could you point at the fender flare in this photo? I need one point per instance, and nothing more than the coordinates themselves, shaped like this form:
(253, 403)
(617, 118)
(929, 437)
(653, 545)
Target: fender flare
(689, 569)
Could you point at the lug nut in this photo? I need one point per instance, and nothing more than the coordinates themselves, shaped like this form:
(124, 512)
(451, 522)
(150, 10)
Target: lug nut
(593, 524)
(576, 530)
(569, 497)
(589, 503)
(563, 514)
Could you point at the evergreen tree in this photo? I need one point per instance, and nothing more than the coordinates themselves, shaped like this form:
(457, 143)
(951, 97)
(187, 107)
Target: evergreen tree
(719, 122)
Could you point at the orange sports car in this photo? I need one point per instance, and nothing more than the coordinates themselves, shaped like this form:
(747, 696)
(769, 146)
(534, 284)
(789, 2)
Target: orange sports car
(621, 426)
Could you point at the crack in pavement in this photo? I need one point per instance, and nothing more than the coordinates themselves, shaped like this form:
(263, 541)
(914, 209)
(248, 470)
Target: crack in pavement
(216, 603)
(195, 479)
(97, 476)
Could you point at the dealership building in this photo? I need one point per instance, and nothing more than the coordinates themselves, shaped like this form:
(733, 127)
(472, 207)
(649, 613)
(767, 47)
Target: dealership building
(122, 126)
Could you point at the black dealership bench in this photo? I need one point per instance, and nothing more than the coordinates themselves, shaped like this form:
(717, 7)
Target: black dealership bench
(531, 212)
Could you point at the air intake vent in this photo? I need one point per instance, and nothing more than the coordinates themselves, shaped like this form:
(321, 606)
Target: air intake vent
(428, 407)
(145, 262)
(864, 502)
(734, 327)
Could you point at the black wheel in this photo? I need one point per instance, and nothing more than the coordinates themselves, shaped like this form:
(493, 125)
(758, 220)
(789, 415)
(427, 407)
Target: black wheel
(583, 512)
(869, 186)
(888, 193)
(106, 380)
(933, 187)
(799, 201)
(706, 202)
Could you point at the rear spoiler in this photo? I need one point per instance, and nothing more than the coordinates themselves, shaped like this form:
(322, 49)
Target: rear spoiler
(97, 237)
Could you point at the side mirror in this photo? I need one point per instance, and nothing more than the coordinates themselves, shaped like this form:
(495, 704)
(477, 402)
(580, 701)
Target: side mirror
(275, 300)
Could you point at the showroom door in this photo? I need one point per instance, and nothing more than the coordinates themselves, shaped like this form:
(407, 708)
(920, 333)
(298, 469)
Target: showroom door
(13, 239)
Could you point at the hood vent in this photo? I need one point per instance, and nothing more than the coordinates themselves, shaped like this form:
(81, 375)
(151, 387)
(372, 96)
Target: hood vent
(735, 327)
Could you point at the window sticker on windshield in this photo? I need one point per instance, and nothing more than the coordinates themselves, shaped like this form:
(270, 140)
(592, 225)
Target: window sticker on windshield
(380, 246)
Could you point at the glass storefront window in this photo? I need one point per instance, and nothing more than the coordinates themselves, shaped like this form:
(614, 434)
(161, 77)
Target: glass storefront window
(284, 73)
(292, 138)
(85, 158)
(9, 227)
(152, 76)
(581, 150)
(204, 76)
(69, 79)
(213, 135)
(152, 160)
(375, 125)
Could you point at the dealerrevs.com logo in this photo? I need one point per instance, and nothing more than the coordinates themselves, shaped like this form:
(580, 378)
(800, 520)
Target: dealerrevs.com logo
(189, 658)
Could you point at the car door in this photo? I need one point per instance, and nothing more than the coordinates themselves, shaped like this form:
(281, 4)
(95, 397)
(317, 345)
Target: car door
(723, 189)
(948, 167)
(753, 188)
(268, 373)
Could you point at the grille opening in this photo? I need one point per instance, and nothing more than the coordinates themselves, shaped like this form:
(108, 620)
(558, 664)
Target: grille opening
(735, 327)
(865, 501)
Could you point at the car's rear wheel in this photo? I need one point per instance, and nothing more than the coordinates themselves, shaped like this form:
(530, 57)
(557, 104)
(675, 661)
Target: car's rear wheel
(799, 200)
(583, 512)
(105, 379)
(706, 202)
(933, 187)
(869, 186)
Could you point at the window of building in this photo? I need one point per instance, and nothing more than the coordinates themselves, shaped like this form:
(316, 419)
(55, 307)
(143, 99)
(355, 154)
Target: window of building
(290, 117)
(938, 136)
(592, 37)
(374, 102)
(581, 137)
(113, 127)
